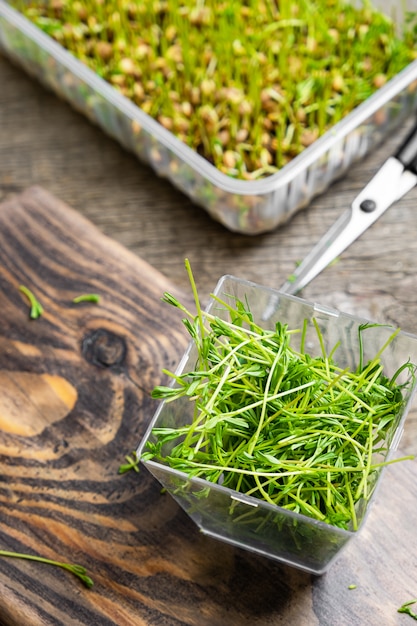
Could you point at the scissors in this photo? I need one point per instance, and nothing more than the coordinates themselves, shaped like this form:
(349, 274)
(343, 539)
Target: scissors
(396, 177)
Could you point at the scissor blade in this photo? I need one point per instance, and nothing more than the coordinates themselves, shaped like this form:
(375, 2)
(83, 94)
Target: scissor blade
(389, 184)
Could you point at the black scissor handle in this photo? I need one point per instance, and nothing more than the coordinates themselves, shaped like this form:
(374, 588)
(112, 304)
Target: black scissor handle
(407, 152)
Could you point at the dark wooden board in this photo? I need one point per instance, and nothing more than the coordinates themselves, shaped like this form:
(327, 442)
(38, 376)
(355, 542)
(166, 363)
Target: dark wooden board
(74, 399)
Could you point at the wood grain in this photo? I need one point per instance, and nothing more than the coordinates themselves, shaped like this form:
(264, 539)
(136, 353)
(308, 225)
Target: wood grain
(75, 398)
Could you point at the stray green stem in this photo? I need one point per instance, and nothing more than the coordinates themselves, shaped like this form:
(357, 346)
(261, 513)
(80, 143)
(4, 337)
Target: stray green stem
(36, 308)
(77, 570)
(87, 297)
(132, 464)
(405, 608)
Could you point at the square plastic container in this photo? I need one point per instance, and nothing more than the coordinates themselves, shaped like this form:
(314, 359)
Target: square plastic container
(248, 207)
(249, 522)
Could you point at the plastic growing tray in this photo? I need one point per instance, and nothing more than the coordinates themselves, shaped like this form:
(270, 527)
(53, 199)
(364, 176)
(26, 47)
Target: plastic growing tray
(249, 207)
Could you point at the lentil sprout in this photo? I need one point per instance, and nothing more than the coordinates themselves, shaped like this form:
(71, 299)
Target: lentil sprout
(248, 84)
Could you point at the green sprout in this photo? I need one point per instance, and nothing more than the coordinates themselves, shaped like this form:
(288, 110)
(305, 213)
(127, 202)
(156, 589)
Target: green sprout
(77, 570)
(220, 76)
(36, 308)
(132, 464)
(87, 297)
(276, 423)
(405, 608)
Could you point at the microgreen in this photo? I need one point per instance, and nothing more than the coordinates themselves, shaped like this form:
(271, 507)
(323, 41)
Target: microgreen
(275, 422)
(132, 464)
(36, 308)
(87, 297)
(77, 570)
(406, 608)
(220, 76)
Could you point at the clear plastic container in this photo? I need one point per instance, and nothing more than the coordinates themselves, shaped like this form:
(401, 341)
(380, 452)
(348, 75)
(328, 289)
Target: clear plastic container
(249, 522)
(248, 207)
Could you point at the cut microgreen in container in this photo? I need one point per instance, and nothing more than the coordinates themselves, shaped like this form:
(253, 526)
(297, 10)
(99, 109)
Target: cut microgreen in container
(273, 421)
(248, 85)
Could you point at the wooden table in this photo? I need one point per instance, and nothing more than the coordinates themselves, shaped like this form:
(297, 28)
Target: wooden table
(170, 574)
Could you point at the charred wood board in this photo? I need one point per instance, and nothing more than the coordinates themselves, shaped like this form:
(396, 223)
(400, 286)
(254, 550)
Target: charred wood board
(75, 398)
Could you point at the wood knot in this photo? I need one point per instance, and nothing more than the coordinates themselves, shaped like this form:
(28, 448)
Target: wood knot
(104, 348)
